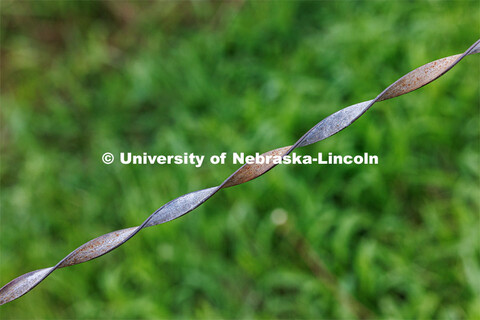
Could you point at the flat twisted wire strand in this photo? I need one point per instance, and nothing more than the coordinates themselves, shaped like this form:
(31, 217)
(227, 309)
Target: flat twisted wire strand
(188, 202)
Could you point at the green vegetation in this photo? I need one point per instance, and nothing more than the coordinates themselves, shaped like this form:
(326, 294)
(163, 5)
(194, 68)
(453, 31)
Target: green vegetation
(392, 241)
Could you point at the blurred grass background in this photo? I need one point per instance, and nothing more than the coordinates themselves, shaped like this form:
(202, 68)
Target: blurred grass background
(396, 240)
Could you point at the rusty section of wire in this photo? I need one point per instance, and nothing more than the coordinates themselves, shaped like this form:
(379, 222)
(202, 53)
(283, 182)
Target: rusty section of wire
(188, 202)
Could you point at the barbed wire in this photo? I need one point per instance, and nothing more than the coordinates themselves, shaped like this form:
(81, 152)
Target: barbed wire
(188, 202)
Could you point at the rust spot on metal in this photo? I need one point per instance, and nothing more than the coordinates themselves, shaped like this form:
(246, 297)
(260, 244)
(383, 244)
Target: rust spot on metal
(419, 77)
(97, 247)
(251, 171)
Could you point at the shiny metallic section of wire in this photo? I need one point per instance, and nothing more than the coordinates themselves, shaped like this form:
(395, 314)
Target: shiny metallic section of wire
(188, 202)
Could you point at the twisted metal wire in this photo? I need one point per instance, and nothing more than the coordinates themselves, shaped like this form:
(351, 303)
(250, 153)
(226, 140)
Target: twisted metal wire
(188, 202)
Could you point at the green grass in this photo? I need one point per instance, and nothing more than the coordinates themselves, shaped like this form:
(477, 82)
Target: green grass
(393, 241)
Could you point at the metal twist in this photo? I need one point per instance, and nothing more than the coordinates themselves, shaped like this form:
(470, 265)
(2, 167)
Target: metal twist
(188, 202)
